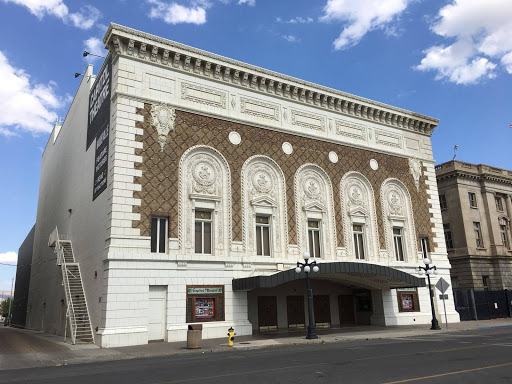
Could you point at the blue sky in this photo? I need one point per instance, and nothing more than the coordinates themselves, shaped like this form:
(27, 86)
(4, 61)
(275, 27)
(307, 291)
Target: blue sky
(448, 59)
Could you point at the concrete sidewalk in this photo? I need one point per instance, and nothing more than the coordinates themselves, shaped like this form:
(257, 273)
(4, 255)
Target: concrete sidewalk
(87, 353)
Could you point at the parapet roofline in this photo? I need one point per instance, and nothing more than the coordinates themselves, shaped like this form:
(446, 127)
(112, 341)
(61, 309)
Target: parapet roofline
(122, 40)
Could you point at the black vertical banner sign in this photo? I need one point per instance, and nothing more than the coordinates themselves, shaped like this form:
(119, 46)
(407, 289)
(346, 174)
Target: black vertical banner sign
(101, 162)
(99, 125)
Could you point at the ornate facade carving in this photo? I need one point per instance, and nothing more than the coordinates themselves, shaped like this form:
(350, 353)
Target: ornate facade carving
(415, 168)
(204, 183)
(397, 212)
(203, 95)
(314, 201)
(264, 193)
(358, 207)
(162, 119)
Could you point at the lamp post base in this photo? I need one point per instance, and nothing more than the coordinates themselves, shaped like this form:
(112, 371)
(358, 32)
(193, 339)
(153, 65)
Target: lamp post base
(311, 333)
(435, 325)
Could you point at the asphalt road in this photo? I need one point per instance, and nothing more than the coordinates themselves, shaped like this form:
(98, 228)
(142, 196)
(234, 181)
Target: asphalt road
(483, 356)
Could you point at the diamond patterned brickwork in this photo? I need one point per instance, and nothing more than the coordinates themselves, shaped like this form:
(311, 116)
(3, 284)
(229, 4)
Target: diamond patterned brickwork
(159, 194)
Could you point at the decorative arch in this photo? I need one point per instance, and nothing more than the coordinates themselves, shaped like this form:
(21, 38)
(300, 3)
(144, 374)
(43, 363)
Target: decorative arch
(204, 183)
(358, 207)
(314, 200)
(397, 212)
(264, 193)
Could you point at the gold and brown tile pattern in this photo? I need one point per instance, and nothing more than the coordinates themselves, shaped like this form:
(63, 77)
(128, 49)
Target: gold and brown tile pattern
(159, 180)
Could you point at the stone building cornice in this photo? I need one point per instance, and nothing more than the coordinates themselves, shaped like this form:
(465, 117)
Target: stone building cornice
(130, 42)
(480, 172)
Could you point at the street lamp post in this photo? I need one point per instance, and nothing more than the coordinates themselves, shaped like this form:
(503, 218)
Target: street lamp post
(307, 269)
(428, 270)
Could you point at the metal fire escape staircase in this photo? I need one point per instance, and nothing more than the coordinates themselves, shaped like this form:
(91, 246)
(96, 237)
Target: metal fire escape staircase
(77, 311)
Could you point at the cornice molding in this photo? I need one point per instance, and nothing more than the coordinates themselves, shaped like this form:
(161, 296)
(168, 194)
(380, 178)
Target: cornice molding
(132, 43)
(474, 176)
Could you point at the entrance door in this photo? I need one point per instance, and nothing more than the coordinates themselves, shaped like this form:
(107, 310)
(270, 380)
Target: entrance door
(267, 313)
(346, 306)
(157, 313)
(295, 311)
(322, 311)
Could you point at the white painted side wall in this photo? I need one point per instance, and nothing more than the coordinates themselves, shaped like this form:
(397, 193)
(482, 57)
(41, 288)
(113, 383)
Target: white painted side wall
(67, 174)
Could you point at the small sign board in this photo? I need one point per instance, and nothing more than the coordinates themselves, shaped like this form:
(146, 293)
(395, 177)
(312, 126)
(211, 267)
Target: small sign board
(443, 297)
(442, 285)
(204, 290)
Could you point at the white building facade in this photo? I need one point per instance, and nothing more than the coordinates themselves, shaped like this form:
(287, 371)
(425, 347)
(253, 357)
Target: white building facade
(211, 178)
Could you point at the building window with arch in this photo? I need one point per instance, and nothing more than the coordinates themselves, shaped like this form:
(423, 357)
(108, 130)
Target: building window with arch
(264, 221)
(398, 218)
(204, 202)
(314, 205)
(263, 231)
(359, 218)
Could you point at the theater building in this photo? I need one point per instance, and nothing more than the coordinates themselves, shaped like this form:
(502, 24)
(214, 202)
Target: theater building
(183, 187)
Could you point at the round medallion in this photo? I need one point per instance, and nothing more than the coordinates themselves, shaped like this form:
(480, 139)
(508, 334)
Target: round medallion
(287, 148)
(204, 174)
(262, 182)
(312, 189)
(234, 138)
(374, 164)
(333, 157)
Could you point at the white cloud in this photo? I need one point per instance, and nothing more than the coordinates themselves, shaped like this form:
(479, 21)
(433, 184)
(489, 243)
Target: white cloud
(298, 20)
(507, 62)
(95, 46)
(25, 106)
(360, 17)
(174, 13)
(9, 258)
(84, 19)
(481, 32)
(251, 3)
(291, 38)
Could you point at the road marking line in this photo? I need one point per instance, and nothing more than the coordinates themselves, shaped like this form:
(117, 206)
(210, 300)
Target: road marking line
(311, 365)
(240, 373)
(448, 373)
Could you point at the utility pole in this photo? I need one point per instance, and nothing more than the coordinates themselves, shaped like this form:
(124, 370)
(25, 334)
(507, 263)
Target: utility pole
(12, 298)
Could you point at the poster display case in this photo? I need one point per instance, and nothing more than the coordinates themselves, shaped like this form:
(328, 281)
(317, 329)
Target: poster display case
(205, 303)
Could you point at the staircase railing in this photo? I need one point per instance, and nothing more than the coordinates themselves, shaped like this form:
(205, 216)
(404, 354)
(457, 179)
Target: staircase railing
(55, 241)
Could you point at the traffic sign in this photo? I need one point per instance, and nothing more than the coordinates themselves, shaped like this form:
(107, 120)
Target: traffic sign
(442, 285)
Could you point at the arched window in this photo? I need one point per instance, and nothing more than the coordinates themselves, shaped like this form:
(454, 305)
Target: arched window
(316, 231)
(398, 221)
(359, 217)
(204, 202)
(264, 208)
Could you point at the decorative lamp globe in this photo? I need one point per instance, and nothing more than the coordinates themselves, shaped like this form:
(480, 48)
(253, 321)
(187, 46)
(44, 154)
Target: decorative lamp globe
(298, 270)
(426, 260)
(315, 268)
(307, 268)
(435, 272)
(421, 272)
(306, 255)
(429, 272)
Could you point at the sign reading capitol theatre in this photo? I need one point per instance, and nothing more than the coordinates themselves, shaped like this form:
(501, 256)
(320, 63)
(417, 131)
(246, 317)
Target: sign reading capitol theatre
(99, 125)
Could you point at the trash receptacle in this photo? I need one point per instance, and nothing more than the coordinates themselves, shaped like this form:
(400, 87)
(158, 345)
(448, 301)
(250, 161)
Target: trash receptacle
(194, 336)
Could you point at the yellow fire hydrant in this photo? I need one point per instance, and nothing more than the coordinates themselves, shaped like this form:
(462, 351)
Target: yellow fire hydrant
(231, 334)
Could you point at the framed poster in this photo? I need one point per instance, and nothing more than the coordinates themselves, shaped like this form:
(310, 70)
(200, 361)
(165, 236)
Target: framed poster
(408, 299)
(205, 303)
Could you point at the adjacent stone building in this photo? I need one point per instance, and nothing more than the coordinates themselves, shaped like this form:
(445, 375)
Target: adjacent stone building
(476, 207)
(184, 186)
